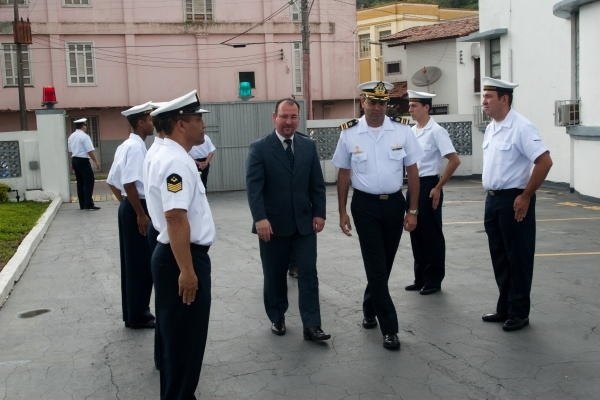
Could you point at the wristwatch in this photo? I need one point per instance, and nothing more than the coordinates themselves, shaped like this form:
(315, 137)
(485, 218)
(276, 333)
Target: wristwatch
(414, 212)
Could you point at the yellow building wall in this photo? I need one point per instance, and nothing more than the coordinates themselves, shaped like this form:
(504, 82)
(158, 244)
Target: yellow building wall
(395, 18)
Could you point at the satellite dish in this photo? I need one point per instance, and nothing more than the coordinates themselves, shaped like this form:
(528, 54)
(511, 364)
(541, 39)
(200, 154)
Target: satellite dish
(426, 76)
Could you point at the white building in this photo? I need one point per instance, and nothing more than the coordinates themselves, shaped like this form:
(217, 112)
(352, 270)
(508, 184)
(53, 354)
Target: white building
(550, 49)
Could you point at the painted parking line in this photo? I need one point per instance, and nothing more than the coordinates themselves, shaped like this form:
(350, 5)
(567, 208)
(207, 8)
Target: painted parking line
(538, 220)
(567, 254)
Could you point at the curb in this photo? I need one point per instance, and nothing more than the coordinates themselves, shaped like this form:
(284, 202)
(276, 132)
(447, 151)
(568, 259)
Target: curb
(15, 267)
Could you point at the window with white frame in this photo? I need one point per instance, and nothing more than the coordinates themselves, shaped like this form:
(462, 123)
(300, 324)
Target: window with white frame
(495, 66)
(384, 33)
(198, 10)
(80, 63)
(297, 67)
(364, 43)
(76, 2)
(12, 2)
(9, 51)
(295, 10)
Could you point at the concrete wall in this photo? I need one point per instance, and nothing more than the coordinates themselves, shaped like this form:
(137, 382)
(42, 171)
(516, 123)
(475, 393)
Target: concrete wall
(43, 157)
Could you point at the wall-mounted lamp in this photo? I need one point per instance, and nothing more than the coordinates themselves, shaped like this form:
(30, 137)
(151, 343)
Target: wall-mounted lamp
(48, 96)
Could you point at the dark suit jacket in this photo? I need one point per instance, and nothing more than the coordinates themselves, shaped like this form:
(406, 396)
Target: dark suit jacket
(288, 198)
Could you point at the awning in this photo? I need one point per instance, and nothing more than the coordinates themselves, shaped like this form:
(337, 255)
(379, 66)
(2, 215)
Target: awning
(485, 35)
(566, 8)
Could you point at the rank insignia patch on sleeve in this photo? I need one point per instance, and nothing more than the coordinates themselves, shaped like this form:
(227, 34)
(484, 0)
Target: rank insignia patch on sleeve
(174, 183)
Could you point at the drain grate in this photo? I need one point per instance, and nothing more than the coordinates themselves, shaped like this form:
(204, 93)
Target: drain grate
(33, 313)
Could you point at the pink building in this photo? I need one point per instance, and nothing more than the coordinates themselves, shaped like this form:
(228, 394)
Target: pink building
(104, 56)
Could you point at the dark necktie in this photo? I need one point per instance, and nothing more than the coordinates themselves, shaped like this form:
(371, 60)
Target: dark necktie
(289, 152)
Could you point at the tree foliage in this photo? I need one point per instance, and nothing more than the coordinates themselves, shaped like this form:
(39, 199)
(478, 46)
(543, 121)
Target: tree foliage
(468, 4)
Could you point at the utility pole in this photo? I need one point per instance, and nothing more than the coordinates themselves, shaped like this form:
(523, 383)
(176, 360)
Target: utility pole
(306, 57)
(18, 30)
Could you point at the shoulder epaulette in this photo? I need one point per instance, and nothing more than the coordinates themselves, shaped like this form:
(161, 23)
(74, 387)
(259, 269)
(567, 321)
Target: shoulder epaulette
(400, 120)
(349, 124)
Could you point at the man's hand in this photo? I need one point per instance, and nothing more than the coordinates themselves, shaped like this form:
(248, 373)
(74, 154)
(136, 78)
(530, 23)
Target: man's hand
(202, 164)
(142, 223)
(318, 224)
(264, 230)
(188, 286)
(434, 195)
(345, 224)
(521, 205)
(410, 222)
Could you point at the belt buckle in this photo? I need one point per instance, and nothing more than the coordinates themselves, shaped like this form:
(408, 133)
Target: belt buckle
(491, 192)
(384, 196)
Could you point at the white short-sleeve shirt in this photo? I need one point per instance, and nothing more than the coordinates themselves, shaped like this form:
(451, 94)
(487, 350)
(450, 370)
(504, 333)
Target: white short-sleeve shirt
(80, 144)
(377, 160)
(172, 182)
(202, 150)
(128, 164)
(509, 149)
(114, 174)
(436, 144)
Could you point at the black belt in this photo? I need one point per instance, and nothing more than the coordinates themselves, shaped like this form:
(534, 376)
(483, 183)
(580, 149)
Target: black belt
(429, 178)
(505, 192)
(200, 247)
(193, 246)
(200, 159)
(378, 196)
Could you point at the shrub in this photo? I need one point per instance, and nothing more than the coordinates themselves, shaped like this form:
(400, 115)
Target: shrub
(4, 192)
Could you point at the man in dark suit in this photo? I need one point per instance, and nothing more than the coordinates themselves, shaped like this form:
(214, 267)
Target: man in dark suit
(286, 194)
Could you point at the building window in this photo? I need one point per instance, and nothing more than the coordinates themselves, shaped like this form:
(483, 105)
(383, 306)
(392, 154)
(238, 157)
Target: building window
(80, 61)
(12, 2)
(76, 2)
(295, 10)
(495, 58)
(364, 43)
(297, 67)
(10, 64)
(385, 33)
(198, 10)
(92, 129)
(392, 68)
(248, 77)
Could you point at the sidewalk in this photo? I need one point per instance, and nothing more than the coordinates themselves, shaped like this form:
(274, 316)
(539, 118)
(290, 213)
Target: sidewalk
(79, 349)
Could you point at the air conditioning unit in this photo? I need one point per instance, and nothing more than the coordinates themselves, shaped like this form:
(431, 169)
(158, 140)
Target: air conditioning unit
(566, 112)
(481, 119)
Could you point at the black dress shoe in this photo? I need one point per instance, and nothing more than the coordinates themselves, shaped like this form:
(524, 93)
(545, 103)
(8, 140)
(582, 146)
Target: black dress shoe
(293, 271)
(391, 342)
(413, 288)
(495, 317)
(515, 323)
(315, 334)
(278, 328)
(94, 208)
(369, 322)
(150, 324)
(429, 290)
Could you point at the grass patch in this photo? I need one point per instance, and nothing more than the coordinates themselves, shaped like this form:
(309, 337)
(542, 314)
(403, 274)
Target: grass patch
(16, 220)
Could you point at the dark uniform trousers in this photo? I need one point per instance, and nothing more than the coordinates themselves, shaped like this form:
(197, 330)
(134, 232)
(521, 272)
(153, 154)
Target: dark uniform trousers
(512, 247)
(203, 172)
(152, 242)
(379, 222)
(183, 328)
(427, 240)
(85, 181)
(136, 276)
(275, 255)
